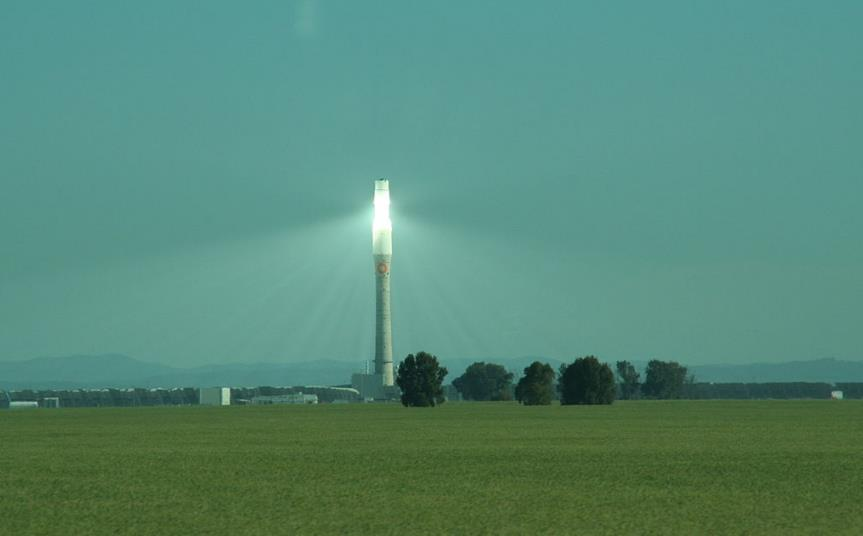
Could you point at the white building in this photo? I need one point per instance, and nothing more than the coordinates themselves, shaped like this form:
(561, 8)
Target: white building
(23, 405)
(290, 398)
(214, 396)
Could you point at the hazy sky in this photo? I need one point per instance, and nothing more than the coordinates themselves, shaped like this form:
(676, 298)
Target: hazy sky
(191, 182)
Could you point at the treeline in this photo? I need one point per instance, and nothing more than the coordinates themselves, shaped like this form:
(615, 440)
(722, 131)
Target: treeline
(663, 380)
(776, 390)
(94, 398)
(850, 389)
(584, 381)
(669, 380)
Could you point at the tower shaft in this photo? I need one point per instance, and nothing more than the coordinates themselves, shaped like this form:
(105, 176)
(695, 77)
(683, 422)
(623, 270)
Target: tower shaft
(383, 322)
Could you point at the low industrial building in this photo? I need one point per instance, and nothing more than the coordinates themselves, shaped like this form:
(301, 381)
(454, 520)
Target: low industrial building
(214, 396)
(372, 387)
(22, 404)
(289, 398)
(6, 402)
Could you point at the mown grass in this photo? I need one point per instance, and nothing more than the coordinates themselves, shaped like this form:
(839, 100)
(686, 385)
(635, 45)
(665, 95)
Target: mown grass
(684, 467)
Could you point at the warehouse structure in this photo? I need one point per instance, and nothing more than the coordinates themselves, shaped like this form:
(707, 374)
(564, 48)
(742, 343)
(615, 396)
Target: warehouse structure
(289, 398)
(215, 396)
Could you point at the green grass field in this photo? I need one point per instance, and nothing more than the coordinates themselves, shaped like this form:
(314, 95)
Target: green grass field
(683, 467)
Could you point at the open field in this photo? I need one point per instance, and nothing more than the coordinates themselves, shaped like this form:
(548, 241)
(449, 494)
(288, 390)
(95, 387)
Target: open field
(641, 467)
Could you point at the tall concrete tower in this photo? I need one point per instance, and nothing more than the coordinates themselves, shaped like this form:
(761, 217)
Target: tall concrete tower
(382, 251)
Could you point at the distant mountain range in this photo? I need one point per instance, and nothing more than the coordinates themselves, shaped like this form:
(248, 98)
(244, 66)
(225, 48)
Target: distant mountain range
(827, 370)
(120, 371)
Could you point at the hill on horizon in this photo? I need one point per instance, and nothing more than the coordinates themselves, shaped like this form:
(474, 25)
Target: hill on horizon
(122, 371)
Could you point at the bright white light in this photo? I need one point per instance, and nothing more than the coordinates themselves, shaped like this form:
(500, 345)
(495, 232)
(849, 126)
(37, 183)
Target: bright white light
(382, 227)
(382, 210)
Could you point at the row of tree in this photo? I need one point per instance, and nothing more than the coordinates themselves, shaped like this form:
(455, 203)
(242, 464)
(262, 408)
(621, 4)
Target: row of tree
(663, 380)
(584, 381)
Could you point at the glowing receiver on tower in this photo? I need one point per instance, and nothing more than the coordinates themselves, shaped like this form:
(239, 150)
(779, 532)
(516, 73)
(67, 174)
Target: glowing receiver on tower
(382, 226)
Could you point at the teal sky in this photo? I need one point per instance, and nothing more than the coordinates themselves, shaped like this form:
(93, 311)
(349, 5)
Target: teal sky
(191, 182)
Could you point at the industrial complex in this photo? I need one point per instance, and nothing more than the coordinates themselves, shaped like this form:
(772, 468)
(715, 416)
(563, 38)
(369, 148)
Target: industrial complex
(369, 385)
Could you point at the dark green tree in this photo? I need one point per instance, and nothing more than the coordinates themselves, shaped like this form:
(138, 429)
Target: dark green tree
(420, 378)
(664, 380)
(628, 379)
(587, 381)
(484, 381)
(536, 387)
